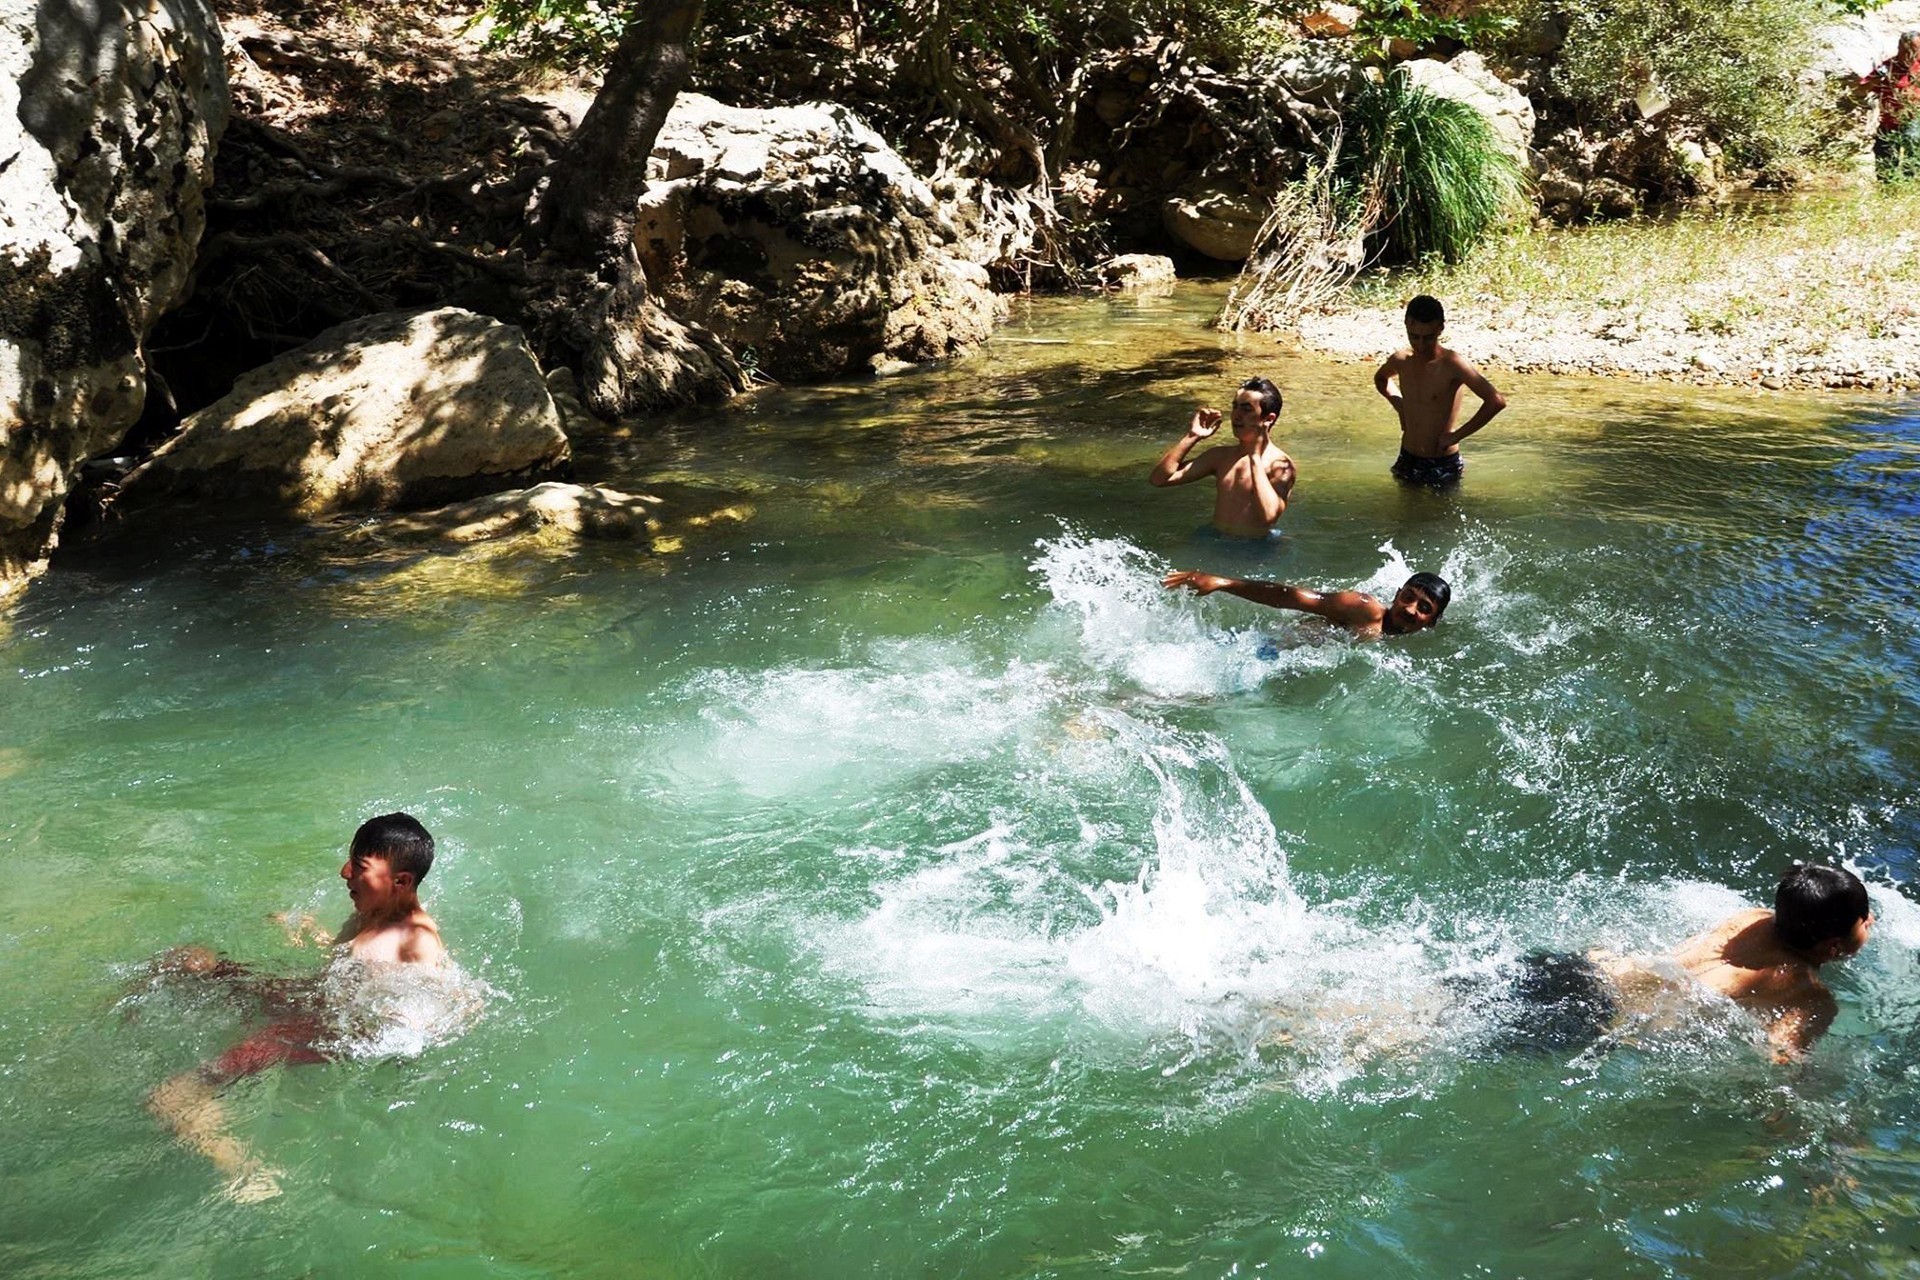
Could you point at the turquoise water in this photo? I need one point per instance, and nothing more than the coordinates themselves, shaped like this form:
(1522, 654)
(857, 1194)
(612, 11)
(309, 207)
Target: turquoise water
(887, 878)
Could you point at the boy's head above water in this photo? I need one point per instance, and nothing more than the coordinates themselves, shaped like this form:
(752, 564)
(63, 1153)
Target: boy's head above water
(1426, 321)
(389, 857)
(1822, 911)
(1256, 406)
(1418, 604)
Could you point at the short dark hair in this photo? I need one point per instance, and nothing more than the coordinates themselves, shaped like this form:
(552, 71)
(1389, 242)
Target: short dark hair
(1814, 904)
(1426, 309)
(400, 839)
(1436, 586)
(1269, 394)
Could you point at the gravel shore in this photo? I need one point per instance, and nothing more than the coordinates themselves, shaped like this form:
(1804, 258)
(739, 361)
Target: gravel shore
(1837, 316)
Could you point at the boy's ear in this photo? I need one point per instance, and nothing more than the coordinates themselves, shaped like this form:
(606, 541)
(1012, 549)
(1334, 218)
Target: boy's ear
(404, 880)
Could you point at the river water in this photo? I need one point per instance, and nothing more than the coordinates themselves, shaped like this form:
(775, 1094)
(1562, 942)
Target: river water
(889, 879)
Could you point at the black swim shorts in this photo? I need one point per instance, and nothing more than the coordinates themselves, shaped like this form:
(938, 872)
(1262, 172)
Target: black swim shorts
(1436, 472)
(1553, 1002)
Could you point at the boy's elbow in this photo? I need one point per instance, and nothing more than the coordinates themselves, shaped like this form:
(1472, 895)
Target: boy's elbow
(1158, 480)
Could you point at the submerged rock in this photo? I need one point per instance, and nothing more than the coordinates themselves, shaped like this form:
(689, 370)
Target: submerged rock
(108, 119)
(805, 242)
(402, 409)
(557, 509)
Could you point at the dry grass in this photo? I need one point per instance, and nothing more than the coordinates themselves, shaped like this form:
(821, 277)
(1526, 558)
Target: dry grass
(1833, 259)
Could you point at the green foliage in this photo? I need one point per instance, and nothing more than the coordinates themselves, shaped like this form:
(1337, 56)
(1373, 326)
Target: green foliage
(582, 33)
(1407, 20)
(561, 33)
(1728, 65)
(1432, 166)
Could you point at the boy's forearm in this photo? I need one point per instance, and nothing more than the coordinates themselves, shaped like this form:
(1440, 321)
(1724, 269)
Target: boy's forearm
(1482, 416)
(1170, 460)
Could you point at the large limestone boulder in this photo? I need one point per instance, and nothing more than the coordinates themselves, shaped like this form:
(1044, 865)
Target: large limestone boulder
(109, 112)
(805, 242)
(1467, 79)
(1855, 45)
(1217, 220)
(402, 409)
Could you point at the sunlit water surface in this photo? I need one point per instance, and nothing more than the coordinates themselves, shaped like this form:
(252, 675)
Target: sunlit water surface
(892, 880)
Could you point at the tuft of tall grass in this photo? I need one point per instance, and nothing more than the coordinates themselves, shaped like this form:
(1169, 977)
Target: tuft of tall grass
(1432, 165)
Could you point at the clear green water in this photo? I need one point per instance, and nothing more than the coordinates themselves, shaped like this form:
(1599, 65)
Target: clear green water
(898, 883)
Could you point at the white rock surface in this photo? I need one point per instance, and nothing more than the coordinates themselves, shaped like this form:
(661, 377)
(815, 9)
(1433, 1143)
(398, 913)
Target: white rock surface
(402, 409)
(109, 112)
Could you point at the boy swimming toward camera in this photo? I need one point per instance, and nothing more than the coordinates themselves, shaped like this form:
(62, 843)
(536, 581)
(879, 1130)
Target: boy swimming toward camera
(389, 857)
(1418, 604)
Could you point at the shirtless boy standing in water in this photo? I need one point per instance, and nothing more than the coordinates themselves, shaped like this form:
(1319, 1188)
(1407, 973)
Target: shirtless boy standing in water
(388, 859)
(1253, 479)
(1430, 378)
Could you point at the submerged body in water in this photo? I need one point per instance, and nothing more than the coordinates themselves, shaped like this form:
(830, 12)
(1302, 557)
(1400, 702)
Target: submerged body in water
(1760, 966)
(390, 988)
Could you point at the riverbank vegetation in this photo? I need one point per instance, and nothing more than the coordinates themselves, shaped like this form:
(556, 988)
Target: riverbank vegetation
(1072, 128)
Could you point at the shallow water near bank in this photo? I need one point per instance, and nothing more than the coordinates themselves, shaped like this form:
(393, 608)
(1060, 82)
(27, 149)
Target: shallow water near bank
(894, 880)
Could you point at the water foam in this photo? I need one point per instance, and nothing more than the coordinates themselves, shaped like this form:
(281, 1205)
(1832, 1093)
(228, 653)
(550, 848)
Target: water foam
(1055, 914)
(1165, 643)
(380, 1010)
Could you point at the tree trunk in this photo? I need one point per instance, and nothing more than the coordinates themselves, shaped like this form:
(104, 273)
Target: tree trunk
(598, 313)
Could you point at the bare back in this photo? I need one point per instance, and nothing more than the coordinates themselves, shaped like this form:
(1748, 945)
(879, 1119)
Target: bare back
(1743, 959)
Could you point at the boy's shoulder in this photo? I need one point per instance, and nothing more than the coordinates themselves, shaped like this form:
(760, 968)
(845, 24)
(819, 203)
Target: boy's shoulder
(412, 939)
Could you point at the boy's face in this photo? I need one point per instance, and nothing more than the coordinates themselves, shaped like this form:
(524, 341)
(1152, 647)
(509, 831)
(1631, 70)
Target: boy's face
(1423, 336)
(1413, 609)
(373, 884)
(1248, 418)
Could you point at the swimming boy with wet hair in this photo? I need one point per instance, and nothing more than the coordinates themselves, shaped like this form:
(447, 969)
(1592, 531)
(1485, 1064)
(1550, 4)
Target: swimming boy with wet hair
(1427, 380)
(389, 857)
(1418, 604)
(1768, 962)
(1253, 478)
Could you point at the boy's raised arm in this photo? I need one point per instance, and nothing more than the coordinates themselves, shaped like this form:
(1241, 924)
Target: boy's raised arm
(1173, 468)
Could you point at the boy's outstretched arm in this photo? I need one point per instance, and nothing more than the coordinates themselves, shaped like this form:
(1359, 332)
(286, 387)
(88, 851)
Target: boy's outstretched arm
(1491, 403)
(1173, 467)
(1348, 608)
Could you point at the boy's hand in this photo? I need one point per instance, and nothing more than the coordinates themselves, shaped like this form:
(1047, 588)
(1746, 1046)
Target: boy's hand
(1201, 584)
(1205, 423)
(303, 929)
